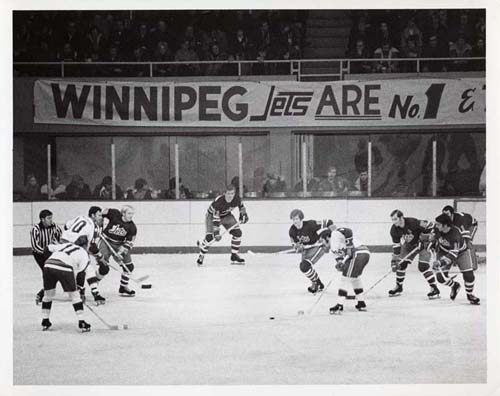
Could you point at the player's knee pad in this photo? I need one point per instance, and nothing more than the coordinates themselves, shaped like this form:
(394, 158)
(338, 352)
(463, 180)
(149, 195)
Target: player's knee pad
(236, 233)
(403, 265)
(468, 276)
(305, 266)
(209, 237)
(422, 267)
(103, 270)
(130, 267)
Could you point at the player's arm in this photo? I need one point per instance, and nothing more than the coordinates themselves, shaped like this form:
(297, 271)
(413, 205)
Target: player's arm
(128, 242)
(243, 213)
(296, 244)
(448, 255)
(396, 249)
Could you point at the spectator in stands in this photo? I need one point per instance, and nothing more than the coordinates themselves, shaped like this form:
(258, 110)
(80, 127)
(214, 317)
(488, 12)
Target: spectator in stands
(479, 51)
(360, 52)
(261, 68)
(120, 39)
(273, 184)
(312, 183)
(263, 38)
(78, 189)
(194, 40)
(163, 54)
(460, 49)
(184, 192)
(411, 32)
(464, 28)
(410, 51)
(95, 43)
(361, 31)
(104, 189)
(57, 189)
(216, 69)
(385, 53)
(333, 182)
(383, 35)
(67, 54)
(160, 34)
(186, 54)
(434, 50)
(142, 38)
(240, 46)
(361, 183)
(445, 31)
(140, 190)
(113, 56)
(31, 191)
(72, 36)
(214, 36)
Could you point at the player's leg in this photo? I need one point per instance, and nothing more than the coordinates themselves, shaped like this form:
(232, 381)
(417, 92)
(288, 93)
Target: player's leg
(96, 272)
(40, 260)
(341, 295)
(408, 253)
(354, 273)
(127, 268)
(465, 264)
(228, 222)
(49, 287)
(68, 283)
(424, 258)
(209, 238)
(309, 258)
(442, 276)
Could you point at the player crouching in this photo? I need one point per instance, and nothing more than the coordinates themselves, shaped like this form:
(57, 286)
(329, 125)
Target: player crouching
(66, 262)
(351, 257)
(219, 213)
(310, 239)
(452, 249)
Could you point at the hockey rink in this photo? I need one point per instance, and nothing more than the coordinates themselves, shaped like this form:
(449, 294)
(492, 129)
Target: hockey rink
(212, 326)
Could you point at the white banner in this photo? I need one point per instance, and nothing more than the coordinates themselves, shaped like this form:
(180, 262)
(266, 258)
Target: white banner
(262, 104)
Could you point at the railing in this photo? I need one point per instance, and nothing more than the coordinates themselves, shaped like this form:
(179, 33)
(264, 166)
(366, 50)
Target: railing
(302, 69)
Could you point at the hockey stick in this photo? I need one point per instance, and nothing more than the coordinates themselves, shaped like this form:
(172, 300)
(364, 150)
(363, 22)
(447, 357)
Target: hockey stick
(309, 311)
(125, 269)
(109, 326)
(226, 230)
(292, 250)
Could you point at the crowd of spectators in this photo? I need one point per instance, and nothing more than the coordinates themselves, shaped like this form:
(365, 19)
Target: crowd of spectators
(387, 34)
(161, 36)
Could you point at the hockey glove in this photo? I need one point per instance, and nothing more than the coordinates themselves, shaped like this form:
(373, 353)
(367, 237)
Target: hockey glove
(217, 235)
(395, 262)
(299, 247)
(243, 217)
(93, 249)
(340, 265)
(436, 265)
(122, 251)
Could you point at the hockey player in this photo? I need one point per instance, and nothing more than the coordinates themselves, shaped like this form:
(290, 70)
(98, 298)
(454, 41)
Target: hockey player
(310, 238)
(91, 228)
(452, 249)
(410, 237)
(351, 257)
(64, 264)
(120, 234)
(467, 226)
(219, 213)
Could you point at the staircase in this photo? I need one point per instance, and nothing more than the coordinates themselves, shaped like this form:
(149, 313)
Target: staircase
(327, 35)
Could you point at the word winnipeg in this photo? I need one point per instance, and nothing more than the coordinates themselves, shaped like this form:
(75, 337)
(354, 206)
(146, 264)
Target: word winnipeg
(207, 102)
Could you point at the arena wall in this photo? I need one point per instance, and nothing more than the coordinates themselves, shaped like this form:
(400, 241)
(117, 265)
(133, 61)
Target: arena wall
(171, 226)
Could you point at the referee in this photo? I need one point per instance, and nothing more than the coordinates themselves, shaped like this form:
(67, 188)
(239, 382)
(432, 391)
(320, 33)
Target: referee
(43, 234)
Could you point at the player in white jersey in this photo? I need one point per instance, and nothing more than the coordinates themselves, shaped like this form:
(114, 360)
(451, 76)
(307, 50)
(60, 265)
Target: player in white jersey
(91, 228)
(351, 257)
(64, 264)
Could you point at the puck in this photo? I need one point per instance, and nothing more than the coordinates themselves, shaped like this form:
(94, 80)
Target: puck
(271, 317)
(125, 327)
(147, 286)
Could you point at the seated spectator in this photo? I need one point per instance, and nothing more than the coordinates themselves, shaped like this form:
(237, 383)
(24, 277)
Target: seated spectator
(72, 36)
(67, 54)
(184, 192)
(143, 39)
(261, 68)
(160, 34)
(139, 56)
(240, 46)
(186, 54)
(140, 190)
(113, 56)
(333, 182)
(387, 52)
(360, 52)
(434, 50)
(411, 32)
(460, 49)
(104, 189)
(382, 35)
(263, 39)
(312, 184)
(78, 189)
(214, 36)
(479, 51)
(31, 191)
(361, 183)
(464, 28)
(216, 69)
(95, 43)
(410, 50)
(274, 183)
(361, 31)
(120, 39)
(57, 189)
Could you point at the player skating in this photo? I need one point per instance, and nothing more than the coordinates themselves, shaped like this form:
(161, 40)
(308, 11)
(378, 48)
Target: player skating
(41, 235)
(351, 257)
(64, 264)
(219, 213)
(310, 239)
(451, 249)
(410, 238)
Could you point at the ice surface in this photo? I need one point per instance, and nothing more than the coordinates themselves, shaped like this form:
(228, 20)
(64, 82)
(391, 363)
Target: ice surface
(210, 325)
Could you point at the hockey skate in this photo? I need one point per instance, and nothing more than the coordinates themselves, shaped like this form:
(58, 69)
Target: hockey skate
(454, 290)
(200, 260)
(316, 287)
(434, 293)
(39, 297)
(98, 299)
(398, 289)
(360, 306)
(83, 326)
(46, 324)
(473, 299)
(125, 291)
(336, 309)
(236, 259)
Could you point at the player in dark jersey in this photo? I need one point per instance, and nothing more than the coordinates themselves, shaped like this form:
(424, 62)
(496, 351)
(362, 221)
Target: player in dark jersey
(451, 249)
(120, 233)
(219, 213)
(351, 256)
(467, 225)
(310, 238)
(410, 238)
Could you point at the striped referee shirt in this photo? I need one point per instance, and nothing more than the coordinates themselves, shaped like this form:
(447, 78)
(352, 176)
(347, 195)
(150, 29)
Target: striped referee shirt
(42, 236)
